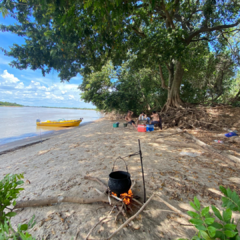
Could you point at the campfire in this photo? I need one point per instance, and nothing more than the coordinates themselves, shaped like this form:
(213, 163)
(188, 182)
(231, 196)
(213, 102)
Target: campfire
(118, 193)
(126, 197)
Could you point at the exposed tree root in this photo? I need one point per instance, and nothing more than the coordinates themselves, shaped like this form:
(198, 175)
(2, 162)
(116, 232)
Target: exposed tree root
(191, 117)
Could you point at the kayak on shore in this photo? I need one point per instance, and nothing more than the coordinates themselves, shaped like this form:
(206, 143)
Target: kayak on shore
(60, 123)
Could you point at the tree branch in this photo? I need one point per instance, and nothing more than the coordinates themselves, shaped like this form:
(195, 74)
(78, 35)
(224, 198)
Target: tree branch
(167, 15)
(131, 218)
(162, 78)
(237, 94)
(233, 30)
(222, 33)
(168, 68)
(176, 5)
(204, 39)
(206, 29)
(213, 100)
(194, 12)
(138, 33)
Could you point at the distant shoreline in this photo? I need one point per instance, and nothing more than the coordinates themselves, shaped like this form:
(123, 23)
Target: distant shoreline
(94, 109)
(65, 108)
(10, 106)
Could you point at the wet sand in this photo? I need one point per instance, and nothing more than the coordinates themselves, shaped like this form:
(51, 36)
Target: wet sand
(12, 146)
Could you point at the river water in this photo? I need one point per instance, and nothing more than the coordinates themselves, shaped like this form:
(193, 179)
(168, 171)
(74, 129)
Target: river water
(18, 123)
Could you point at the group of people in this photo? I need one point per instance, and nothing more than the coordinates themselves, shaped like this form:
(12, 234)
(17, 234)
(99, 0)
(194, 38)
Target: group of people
(156, 119)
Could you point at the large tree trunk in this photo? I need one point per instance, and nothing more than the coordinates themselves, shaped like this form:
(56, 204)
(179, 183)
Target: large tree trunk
(174, 99)
(170, 74)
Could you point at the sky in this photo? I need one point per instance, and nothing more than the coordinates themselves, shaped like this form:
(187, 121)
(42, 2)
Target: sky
(30, 88)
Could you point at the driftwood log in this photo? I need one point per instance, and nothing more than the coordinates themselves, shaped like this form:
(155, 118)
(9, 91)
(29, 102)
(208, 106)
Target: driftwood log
(218, 154)
(103, 197)
(97, 180)
(54, 200)
(173, 208)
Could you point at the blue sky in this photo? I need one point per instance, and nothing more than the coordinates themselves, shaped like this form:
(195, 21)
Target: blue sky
(29, 87)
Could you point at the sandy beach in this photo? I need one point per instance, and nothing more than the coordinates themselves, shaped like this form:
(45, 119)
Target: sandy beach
(175, 168)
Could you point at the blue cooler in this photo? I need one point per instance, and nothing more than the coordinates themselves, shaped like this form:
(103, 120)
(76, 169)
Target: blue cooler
(150, 128)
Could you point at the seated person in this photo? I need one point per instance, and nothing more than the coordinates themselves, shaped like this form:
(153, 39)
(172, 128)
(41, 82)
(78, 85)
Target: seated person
(156, 119)
(143, 118)
(128, 118)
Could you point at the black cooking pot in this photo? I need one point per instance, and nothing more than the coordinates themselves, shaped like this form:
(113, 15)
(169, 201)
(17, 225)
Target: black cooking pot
(119, 181)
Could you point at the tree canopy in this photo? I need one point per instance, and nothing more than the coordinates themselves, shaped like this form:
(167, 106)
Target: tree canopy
(82, 36)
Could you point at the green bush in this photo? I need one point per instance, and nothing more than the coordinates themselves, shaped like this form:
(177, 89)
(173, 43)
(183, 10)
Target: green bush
(9, 191)
(216, 225)
(236, 104)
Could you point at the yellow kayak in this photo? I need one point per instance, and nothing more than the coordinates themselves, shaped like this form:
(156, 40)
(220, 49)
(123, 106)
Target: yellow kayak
(63, 123)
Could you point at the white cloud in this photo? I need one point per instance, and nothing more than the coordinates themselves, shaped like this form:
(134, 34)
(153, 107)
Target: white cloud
(57, 97)
(7, 92)
(20, 85)
(38, 91)
(9, 78)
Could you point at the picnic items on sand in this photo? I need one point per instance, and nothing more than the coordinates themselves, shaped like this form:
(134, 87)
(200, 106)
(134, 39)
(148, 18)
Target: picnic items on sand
(149, 127)
(116, 125)
(141, 128)
(231, 134)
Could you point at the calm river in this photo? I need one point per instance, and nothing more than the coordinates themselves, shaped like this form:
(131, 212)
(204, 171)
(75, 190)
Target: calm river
(17, 123)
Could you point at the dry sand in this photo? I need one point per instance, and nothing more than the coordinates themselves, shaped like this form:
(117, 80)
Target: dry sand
(57, 167)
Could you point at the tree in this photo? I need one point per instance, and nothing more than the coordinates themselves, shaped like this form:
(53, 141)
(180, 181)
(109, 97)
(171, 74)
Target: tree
(208, 78)
(235, 91)
(167, 29)
(123, 89)
(73, 36)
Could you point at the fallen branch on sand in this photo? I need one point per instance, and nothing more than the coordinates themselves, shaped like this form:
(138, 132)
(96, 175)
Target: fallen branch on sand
(131, 218)
(53, 200)
(234, 139)
(173, 208)
(225, 157)
(168, 135)
(97, 180)
(94, 227)
(103, 197)
(191, 117)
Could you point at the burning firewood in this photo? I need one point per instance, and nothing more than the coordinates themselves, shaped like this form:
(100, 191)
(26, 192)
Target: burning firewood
(126, 197)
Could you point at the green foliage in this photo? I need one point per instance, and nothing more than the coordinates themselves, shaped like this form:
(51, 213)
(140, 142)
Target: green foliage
(208, 78)
(236, 104)
(10, 104)
(123, 89)
(82, 36)
(234, 92)
(7, 232)
(216, 225)
(9, 191)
